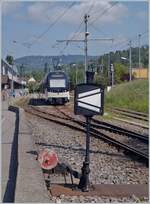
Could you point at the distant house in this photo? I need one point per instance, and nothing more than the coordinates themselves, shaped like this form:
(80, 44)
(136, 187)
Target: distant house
(31, 80)
(140, 73)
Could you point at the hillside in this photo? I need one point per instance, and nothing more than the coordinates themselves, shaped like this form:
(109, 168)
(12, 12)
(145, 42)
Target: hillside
(131, 95)
(37, 62)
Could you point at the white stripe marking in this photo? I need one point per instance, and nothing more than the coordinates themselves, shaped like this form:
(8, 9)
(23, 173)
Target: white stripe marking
(94, 100)
(89, 107)
(89, 93)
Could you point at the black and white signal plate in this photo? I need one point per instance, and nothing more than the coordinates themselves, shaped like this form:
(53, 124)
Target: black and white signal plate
(89, 100)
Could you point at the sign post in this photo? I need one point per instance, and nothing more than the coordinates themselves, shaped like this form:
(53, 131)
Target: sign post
(84, 183)
(89, 101)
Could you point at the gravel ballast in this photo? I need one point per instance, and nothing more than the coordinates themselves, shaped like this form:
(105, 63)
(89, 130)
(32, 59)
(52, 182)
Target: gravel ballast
(107, 165)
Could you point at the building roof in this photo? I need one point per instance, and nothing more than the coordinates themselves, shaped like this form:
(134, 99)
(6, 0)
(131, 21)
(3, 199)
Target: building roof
(14, 67)
(31, 80)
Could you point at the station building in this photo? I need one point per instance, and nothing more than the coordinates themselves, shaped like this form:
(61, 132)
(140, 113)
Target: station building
(9, 75)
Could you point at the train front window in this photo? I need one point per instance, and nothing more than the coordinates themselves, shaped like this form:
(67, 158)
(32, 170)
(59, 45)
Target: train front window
(57, 75)
(55, 83)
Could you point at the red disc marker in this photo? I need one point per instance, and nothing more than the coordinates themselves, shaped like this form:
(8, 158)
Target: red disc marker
(48, 159)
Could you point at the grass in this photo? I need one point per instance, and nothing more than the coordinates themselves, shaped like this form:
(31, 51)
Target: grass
(130, 95)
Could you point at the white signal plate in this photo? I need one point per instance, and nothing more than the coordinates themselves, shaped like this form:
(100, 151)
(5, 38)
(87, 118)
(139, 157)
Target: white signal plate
(89, 99)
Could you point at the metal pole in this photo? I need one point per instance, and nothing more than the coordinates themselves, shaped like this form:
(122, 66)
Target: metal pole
(87, 157)
(12, 82)
(76, 74)
(22, 77)
(112, 75)
(84, 180)
(88, 120)
(109, 69)
(102, 61)
(86, 49)
(139, 52)
(112, 78)
(130, 61)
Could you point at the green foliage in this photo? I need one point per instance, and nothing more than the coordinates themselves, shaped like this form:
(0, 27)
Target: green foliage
(131, 95)
(78, 71)
(34, 87)
(38, 75)
(37, 88)
(10, 59)
(100, 79)
(31, 87)
(120, 70)
(80, 74)
(116, 57)
(72, 77)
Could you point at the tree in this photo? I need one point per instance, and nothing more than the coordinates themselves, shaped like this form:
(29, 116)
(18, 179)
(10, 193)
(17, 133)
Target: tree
(79, 70)
(31, 87)
(38, 75)
(10, 59)
(116, 57)
(119, 71)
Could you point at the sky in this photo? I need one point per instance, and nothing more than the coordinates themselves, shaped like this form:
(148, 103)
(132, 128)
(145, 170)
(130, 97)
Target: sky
(33, 27)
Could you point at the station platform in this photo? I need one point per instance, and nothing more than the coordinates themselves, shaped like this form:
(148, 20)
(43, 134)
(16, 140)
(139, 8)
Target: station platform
(7, 136)
(22, 178)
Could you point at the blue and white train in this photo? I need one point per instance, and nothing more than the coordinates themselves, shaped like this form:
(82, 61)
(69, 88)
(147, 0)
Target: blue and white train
(56, 87)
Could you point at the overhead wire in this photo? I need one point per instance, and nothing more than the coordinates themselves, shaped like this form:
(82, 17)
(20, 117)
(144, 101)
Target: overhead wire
(104, 12)
(125, 42)
(101, 14)
(53, 23)
(88, 12)
(90, 23)
(76, 33)
(97, 29)
(66, 45)
(91, 7)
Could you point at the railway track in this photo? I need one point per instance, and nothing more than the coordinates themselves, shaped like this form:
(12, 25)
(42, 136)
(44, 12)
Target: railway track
(80, 126)
(113, 128)
(130, 113)
(122, 131)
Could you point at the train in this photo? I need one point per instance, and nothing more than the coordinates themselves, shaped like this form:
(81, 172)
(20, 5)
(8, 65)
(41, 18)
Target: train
(55, 86)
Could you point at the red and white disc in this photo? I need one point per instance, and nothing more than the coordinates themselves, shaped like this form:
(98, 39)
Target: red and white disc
(48, 159)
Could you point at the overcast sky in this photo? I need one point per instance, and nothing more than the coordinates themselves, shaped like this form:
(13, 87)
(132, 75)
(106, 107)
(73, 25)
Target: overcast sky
(32, 27)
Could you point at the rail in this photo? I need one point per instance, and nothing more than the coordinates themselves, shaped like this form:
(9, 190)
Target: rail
(94, 132)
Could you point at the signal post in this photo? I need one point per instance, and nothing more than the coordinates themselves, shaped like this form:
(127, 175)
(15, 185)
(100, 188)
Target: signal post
(89, 101)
